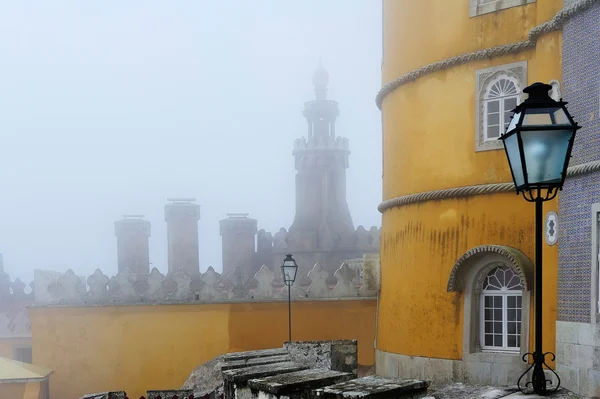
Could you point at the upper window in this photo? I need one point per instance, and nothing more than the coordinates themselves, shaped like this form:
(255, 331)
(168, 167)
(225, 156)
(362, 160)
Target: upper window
(498, 91)
(500, 99)
(479, 7)
(23, 354)
(501, 306)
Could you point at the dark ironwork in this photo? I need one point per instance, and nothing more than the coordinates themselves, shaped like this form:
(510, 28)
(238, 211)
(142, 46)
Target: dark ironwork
(289, 269)
(538, 144)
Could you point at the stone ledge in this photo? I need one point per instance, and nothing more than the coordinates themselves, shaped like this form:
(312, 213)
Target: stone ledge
(241, 363)
(300, 381)
(373, 387)
(254, 354)
(242, 375)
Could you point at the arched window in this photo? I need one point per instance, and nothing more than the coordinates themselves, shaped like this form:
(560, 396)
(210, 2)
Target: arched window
(501, 97)
(501, 307)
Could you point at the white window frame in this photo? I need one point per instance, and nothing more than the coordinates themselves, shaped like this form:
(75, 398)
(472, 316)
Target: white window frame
(501, 105)
(485, 79)
(479, 7)
(504, 294)
(595, 289)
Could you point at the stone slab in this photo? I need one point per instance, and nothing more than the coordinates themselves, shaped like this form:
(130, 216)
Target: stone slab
(106, 395)
(372, 387)
(300, 381)
(242, 375)
(169, 394)
(253, 354)
(257, 361)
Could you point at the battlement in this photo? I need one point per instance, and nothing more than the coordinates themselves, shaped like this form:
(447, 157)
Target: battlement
(365, 240)
(53, 288)
(14, 320)
(340, 143)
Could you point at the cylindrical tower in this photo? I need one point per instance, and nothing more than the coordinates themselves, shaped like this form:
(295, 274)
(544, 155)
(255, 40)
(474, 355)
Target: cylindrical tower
(182, 217)
(133, 250)
(457, 243)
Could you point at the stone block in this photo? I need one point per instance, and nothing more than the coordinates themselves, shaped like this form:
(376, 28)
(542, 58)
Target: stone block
(569, 377)
(235, 381)
(567, 332)
(257, 361)
(438, 370)
(593, 384)
(587, 334)
(584, 356)
(253, 354)
(344, 356)
(570, 355)
(371, 387)
(169, 394)
(106, 395)
(478, 373)
(391, 365)
(297, 384)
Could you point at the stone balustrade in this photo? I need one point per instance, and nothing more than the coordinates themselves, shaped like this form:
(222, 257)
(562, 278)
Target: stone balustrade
(53, 288)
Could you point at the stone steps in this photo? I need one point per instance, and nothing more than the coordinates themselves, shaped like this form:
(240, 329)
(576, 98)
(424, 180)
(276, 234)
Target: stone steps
(255, 354)
(257, 361)
(297, 384)
(372, 387)
(235, 381)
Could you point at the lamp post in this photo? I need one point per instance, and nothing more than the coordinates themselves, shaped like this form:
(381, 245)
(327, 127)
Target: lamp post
(538, 143)
(289, 268)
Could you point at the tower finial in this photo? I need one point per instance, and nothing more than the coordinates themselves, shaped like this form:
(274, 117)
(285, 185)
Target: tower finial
(320, 81)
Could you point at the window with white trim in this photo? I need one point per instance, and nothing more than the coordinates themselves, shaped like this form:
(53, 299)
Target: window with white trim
(499, 90)
(501, 307)
(480, 7)
(501, 97)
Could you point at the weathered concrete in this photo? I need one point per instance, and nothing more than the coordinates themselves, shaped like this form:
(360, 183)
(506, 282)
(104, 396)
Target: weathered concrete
(254, 354)
(236, 364)
(372, 388)
(297, 384)
(206, 378)
(106, 395)
(235, 381)
(337, 355)
(170, 394)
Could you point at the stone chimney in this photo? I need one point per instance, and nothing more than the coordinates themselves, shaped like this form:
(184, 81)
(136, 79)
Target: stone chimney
(182, 217)
(133, 250)
(238, 233)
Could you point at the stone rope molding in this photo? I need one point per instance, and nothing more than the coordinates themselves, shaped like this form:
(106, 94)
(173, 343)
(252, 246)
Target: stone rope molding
(53, 288)
(516, 259)
(555, 23)
(470, 191)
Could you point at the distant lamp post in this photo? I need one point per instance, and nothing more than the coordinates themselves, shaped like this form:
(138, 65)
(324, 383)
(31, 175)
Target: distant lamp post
(538, 143)
(289, 268)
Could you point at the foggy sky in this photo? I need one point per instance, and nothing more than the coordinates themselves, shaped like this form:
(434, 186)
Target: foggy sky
(111, 107)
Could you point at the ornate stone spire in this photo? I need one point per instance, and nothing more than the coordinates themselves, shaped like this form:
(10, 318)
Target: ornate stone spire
(320, 81)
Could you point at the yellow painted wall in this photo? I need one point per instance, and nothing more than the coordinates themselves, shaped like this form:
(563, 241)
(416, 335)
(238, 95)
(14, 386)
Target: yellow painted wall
(136, 348)
(429, 144)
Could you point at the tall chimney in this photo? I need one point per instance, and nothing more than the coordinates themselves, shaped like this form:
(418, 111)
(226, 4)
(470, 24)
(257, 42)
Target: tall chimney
(133, 250)
(182, 217)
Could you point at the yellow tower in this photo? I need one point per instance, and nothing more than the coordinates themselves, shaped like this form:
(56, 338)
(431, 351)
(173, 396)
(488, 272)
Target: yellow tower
(457, 242)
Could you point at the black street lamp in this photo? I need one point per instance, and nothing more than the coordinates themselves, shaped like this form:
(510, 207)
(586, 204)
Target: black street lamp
(538, 143)
(289, 268)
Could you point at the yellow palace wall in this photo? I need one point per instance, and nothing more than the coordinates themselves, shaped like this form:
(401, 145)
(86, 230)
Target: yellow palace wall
(429, 144)
(136, 348)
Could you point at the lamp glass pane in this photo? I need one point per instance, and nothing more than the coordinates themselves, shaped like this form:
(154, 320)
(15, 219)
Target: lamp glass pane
(513, 122)
(514, 158)
(289, 271)
(545, 116)
(545, 154)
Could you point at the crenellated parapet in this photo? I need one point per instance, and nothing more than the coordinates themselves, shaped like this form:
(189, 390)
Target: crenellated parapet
(14, 320)
(182, 287)
(364, 240)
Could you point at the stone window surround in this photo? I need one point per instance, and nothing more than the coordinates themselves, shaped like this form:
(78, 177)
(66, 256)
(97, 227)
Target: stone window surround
(595, 280)
(472, 314)
(477, 8)
(484, 77)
